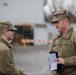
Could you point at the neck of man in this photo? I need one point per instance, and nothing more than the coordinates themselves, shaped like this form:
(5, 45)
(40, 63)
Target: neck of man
(65, 30)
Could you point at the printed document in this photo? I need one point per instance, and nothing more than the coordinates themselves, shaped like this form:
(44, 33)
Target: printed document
(52, 63)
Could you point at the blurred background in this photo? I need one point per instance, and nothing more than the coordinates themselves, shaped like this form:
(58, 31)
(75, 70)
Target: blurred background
(35, 32)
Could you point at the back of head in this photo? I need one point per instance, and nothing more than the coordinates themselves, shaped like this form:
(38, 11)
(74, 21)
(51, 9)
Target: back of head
(59, 15)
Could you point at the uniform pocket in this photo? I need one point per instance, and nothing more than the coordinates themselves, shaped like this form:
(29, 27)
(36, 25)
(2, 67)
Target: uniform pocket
(55, 47)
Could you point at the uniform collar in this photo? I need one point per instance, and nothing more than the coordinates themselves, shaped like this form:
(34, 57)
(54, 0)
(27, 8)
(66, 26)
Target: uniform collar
(68, 34)
(6, 43)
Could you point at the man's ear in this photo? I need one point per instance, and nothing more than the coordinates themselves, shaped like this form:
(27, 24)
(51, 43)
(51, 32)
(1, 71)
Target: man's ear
(4, 31)
(66, 20)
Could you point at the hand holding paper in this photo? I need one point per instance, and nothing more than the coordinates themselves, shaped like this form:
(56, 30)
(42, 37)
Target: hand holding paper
(55, 62)
(60, 60)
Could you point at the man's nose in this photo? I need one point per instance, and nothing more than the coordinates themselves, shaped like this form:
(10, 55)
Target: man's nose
(13, 32)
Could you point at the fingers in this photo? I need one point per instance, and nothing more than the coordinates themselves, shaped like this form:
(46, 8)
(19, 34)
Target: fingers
(22, 69)
(59, 61)
(25, 74)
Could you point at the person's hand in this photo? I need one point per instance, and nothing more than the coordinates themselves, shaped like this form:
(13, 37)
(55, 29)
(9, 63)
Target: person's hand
(23, 71)
(60, 60)
(25, 74)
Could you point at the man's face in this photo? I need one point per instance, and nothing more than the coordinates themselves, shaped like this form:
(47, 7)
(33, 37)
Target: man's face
(10, 34)
(60, 25)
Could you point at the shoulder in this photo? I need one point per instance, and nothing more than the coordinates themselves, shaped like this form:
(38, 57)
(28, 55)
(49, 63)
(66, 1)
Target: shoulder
(56, 38)
(74, 34)
(3, 47)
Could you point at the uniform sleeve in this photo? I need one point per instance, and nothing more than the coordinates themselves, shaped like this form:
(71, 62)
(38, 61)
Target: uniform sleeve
(6, 64)
(51, 46)
(71, 61)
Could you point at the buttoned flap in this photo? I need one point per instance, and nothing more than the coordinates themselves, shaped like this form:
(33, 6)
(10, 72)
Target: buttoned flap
(56, 43)
(55, 46)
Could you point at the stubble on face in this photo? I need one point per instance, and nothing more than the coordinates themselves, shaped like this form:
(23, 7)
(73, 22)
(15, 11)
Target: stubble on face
(60, 26)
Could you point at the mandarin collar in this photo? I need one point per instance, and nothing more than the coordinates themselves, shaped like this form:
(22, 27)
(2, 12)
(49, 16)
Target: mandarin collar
(5, 42)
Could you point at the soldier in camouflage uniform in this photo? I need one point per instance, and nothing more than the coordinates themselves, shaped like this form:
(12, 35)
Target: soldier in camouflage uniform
(64, 43)
(7, 66)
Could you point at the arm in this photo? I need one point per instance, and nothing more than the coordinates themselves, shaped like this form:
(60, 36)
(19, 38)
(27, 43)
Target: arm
(6, 64)
(71, 61)
(51, 46)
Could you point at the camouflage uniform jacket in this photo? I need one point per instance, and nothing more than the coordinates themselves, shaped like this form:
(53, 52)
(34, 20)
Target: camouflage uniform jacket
(66, 47)
(7, 66)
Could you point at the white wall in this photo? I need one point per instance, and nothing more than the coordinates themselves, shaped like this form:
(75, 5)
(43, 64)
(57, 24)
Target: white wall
(22, 11)
(40, 33)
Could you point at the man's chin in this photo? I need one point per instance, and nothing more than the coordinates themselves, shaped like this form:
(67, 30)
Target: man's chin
(59, 31)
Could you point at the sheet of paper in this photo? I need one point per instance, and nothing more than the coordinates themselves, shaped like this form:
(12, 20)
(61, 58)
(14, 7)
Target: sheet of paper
(52, 62)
